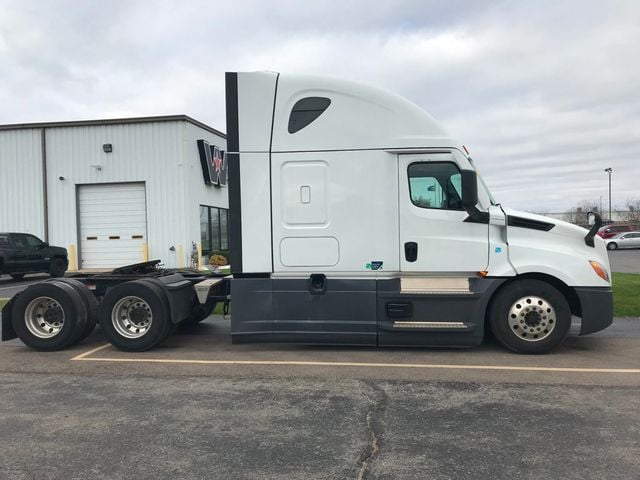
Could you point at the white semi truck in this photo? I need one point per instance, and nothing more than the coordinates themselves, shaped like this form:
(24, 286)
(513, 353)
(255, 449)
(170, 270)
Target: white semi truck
(354, 219)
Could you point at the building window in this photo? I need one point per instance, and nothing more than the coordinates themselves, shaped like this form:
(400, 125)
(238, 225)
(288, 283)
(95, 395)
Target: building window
(435, 185)
(224, 230)
(214, 233)
(205, 229)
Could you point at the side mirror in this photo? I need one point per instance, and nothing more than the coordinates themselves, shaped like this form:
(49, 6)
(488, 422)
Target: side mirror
(469, 188)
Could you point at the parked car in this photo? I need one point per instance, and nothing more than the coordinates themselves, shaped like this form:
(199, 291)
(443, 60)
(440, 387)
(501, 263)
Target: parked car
(22, 253)
(609, 231)
(624, 240)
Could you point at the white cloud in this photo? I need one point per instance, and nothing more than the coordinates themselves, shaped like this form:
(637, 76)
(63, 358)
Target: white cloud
(546, 94)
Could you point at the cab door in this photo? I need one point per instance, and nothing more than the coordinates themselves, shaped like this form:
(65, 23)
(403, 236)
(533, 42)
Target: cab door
(38, 253)
(435, 232)
(19, 256)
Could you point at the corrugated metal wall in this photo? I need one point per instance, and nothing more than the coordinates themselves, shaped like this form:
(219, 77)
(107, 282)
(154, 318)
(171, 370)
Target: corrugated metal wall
(163, 155)
(21, 189)
(198, 193)
(145, 152)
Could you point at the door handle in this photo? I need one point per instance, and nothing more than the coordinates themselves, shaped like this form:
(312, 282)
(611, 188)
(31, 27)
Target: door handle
(411, 251)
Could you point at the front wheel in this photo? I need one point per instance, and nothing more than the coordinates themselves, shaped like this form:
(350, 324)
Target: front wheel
(612, 246)
(17, 276)
(530, 316)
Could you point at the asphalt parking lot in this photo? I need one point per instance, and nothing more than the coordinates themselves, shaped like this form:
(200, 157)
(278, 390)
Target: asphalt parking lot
(201, 407)
(625, 261)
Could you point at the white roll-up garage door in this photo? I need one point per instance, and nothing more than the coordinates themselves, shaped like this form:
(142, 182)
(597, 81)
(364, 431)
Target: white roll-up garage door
(113, 224)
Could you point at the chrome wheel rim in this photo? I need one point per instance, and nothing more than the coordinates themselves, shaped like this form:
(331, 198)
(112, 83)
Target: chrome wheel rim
(131, 317)
(44, 317)
(532, 318)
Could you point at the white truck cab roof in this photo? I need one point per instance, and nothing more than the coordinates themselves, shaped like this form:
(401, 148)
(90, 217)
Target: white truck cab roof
(352, 116)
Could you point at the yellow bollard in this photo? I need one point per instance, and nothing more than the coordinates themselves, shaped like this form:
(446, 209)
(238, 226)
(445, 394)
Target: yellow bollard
(72, 258)
(180, 264)
(145, 252)
(199, 256)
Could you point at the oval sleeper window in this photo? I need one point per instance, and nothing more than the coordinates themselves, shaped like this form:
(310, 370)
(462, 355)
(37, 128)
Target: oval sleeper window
(306, 111)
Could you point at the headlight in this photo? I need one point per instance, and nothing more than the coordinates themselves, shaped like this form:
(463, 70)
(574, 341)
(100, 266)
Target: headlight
(600, 270)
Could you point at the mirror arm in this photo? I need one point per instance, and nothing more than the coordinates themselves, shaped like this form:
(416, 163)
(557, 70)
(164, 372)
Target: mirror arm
(589, 237)
(476, 215)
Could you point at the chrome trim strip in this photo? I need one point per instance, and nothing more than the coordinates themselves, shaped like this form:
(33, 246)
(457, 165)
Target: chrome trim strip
(434, 285)
(404, 324)
(438, 292)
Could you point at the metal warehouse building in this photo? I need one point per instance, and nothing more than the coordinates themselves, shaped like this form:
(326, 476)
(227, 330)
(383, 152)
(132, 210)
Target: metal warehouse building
(115, 192)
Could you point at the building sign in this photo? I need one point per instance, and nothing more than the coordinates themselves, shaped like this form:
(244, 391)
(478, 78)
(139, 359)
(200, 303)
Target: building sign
(214, 166)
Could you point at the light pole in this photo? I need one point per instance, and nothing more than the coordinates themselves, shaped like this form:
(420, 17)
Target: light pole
(609, 171)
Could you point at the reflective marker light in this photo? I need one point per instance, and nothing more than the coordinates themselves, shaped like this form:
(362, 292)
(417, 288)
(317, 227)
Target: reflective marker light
(600, 270)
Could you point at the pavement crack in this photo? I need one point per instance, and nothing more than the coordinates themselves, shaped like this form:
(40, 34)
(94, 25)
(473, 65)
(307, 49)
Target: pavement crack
(377, 401)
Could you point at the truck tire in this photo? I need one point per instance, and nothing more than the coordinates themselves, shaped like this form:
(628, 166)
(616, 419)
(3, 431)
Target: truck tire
(17, 276)
(200, 312)
(49, 316)
(135, 316)
(57, 267)
(530, 316)
(170, 327)
(90, 303)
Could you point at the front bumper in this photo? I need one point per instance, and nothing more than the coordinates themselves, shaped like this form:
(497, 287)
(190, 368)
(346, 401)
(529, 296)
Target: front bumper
(596, 305)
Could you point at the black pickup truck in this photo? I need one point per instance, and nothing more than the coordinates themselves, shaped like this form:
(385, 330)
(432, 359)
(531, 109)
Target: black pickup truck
(22, 253)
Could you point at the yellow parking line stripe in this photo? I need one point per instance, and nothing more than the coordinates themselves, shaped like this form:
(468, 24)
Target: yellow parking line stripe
(355, 364)
(93, 350)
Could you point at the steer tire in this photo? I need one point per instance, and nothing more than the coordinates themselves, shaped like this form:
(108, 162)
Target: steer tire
(125, 310)
(57, 267)
(90, 303)
(530, 316)
(32, 324)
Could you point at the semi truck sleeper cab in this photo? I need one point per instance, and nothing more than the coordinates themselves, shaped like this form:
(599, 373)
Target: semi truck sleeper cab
(356, 219)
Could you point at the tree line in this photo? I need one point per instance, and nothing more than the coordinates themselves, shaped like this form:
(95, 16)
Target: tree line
(630, 213)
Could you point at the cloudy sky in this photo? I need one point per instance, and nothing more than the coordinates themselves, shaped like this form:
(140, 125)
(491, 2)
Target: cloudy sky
(546, 94)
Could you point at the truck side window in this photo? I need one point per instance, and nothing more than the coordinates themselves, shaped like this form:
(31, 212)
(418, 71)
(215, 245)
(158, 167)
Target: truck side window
(19, 241)
(33, 241)
(306, 111)
(435, 185)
